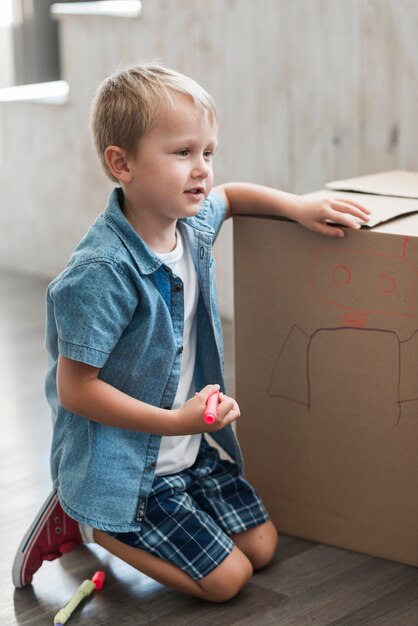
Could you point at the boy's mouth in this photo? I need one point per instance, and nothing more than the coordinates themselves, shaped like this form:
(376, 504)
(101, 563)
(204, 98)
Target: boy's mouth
(196, 192)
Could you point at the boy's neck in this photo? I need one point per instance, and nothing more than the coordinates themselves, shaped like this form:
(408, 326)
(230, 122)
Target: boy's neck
(161, 243)
(159, 235)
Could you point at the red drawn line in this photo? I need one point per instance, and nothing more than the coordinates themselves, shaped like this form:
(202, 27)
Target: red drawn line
(405, 245)
(319, 300)
(355, 319)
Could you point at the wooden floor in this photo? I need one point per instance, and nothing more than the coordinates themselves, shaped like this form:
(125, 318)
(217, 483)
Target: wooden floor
(306, 583)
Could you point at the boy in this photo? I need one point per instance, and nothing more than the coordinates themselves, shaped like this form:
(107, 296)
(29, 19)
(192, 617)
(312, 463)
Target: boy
(135, 347)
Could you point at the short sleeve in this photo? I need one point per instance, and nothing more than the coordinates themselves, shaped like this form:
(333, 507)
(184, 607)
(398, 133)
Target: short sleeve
(92, 305)
(216, 211)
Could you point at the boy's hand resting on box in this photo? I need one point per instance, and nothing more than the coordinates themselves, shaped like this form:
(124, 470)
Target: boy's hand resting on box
(322, 214)
(318, 213)
(188, 419)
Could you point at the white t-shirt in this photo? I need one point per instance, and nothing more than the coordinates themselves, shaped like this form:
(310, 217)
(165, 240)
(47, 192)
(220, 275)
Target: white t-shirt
(179, 452)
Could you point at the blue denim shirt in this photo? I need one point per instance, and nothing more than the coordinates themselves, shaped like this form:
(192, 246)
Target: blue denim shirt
(117, 307)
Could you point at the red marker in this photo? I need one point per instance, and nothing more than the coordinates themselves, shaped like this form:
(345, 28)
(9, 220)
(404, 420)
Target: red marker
(82, 592)
(211, 410)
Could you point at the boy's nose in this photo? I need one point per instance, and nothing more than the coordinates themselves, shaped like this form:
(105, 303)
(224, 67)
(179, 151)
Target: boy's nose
(201, 169)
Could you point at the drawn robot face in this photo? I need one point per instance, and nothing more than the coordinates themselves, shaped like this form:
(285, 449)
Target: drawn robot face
(363, 282)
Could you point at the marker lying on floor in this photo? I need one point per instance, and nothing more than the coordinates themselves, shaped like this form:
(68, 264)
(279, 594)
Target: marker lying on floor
(82, 592)
(211, 410)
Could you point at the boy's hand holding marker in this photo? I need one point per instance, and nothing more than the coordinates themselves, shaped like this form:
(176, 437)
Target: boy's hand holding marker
(211, 412)
(186, 418)
(220, 410)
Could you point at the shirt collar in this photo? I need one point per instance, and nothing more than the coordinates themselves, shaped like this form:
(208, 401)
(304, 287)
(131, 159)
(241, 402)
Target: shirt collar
(147, 261)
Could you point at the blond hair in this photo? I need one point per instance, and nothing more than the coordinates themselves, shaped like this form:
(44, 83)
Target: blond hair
(128, 102)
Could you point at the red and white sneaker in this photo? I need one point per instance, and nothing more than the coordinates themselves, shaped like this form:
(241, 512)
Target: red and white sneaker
(52, 534)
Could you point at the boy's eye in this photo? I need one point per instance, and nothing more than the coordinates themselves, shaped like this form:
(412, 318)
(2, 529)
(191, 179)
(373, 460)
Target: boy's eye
(208, 154)
(183, 152)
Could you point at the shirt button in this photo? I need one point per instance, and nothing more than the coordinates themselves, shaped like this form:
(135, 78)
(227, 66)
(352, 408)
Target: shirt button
(153, 465)
(178, 288)
(180, 349)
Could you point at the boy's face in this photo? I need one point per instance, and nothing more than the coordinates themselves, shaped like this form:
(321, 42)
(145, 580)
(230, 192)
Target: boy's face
(172, 171)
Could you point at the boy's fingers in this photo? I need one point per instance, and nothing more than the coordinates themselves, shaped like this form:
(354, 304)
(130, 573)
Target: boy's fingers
(355, 204)
(224, 408)
(228, 409)
(329, 230)
(208, 391)
(352, 209)
(345, 220)
(231, 416)
(227, 406)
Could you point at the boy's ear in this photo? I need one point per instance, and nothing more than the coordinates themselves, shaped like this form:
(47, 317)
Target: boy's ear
(117, 162)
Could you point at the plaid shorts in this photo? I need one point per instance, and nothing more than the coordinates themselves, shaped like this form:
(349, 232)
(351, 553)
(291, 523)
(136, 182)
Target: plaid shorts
(191, 515)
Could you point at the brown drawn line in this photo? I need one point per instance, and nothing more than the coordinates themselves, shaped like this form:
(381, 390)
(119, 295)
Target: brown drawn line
(360, 330)
(410, 337)
(308, 379)
(272, 395)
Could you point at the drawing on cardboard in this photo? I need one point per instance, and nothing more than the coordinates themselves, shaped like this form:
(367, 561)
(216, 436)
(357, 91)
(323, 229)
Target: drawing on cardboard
(389, 287)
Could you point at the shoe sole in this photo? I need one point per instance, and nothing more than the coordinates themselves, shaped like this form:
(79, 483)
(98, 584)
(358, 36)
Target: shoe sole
(24, 550)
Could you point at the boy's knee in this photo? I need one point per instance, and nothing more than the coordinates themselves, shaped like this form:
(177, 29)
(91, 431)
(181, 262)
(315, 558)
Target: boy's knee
(259, 544)
(228, 578)
(266, 549)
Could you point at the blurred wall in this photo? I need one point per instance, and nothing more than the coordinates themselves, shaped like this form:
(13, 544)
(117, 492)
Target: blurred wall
(6, 45)
(308, 91)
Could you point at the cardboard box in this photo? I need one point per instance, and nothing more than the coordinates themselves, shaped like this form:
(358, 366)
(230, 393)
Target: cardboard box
(327, 371)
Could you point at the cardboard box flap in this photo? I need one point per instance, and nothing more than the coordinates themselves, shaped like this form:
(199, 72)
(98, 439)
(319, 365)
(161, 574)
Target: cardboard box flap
(401, 184)
(383, 208)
